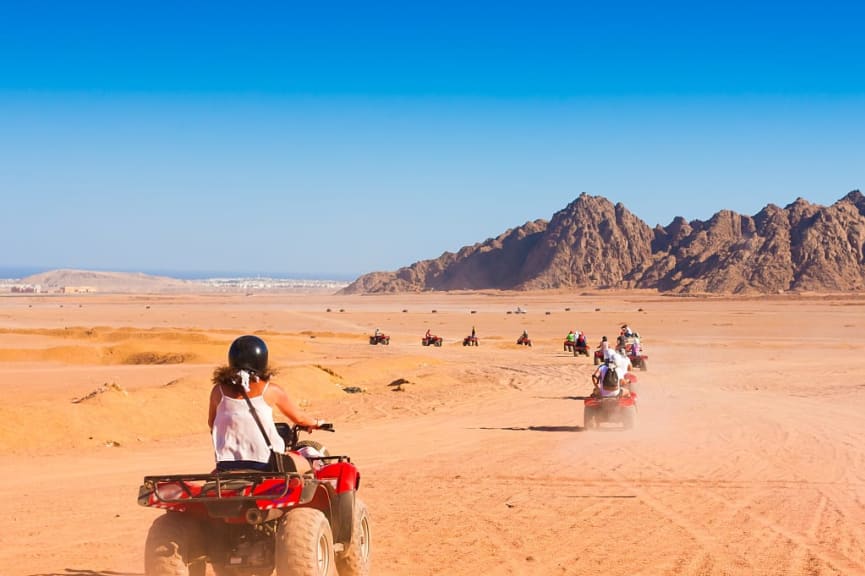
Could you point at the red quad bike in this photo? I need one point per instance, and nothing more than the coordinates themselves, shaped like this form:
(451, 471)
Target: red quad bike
(599, 357)
(470, 341)
(639, 361)
(614, 409)
(431, 341)
(250, 523)
(580, 347)
(379, 339)
(524, 341)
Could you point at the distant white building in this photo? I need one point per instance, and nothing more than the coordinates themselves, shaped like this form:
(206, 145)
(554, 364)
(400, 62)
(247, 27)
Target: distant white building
(78, 289)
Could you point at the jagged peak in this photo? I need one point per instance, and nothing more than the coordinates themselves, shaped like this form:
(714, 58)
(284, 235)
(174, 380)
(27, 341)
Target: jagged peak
(677, 222)
(722, 215)
(854, 196)
(798, 204)
(585, 200)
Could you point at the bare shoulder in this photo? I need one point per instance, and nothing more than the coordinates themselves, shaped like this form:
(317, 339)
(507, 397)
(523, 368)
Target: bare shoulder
(274, 390)
(215, 392)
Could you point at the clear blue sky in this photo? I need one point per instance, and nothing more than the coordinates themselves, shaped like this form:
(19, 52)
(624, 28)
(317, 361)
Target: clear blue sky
(346, 137)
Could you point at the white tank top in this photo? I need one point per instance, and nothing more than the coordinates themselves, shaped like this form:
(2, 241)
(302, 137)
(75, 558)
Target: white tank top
(236, 436)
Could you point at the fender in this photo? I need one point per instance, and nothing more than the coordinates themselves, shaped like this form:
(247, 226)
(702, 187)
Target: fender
(342, 518)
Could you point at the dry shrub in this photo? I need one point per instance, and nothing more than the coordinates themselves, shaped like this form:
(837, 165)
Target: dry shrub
(154, 358)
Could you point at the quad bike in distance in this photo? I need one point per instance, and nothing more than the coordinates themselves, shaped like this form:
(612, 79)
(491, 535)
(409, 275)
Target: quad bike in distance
(581, 347)
(578, 346)
(470, 341)
(431, 341)
(621, 410)
(252, 523)
(634, 351)
(524, 340)
(379, 339)
(639, 361)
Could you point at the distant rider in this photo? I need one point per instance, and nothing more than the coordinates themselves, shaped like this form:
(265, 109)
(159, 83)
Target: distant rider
(604, 347)
(636, 349)
(581, 340)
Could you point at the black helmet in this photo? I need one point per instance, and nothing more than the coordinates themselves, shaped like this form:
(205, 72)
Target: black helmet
(248, 353)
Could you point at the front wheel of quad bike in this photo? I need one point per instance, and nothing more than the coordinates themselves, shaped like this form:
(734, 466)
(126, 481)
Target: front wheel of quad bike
(643, 365)
(304, 544)
(313, 444)
(629, 416)
(590, 417)
(597, 360)
(355, 560)
(438, 343)
(174, 547)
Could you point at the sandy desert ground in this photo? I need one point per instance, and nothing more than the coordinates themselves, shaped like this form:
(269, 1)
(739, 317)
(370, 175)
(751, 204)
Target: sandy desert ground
(748, 456)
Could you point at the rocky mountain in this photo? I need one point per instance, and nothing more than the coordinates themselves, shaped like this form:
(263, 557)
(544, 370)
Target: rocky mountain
(594, 244)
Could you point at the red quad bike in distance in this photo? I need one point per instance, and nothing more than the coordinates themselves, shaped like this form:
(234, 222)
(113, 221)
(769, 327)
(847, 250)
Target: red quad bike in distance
(524, 341)
(581, 347)
(431, 341)
(379, 339)
(578, 347)
(639, 361)
(470, 341)
(250, 523)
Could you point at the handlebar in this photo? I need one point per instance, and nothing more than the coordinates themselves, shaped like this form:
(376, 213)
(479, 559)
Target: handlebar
(320, 425)
(290, 433)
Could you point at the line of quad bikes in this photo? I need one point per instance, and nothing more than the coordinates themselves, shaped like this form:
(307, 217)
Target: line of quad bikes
(620, 409)
(292, 522)
(578, 347)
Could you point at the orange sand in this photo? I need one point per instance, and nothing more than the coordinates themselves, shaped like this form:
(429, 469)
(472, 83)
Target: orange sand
(747, 457)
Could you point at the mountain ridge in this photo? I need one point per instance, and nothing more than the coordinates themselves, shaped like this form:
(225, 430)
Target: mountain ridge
(593, 243)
